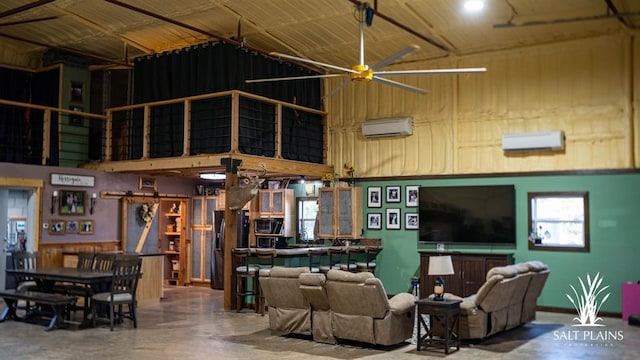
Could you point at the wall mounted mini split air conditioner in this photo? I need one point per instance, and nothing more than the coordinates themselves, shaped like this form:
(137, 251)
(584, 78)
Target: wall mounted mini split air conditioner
(533, 141)
(402, 126)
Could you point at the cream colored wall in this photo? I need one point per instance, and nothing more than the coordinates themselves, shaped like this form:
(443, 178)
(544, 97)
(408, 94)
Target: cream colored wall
(583, 87)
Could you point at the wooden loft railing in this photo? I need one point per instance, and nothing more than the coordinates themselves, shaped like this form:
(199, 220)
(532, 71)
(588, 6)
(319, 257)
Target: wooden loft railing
(120, 156)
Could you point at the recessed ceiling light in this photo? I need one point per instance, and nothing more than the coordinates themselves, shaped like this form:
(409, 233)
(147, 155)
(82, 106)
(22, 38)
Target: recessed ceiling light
(474, 5)
(213, 176)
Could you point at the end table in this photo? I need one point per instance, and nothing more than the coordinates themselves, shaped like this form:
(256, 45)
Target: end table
(447, 314)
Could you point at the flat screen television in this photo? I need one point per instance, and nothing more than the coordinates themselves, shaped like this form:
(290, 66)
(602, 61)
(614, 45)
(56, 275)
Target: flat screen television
(467, 214)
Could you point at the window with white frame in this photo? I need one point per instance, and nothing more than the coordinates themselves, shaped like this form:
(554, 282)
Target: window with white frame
(307, 214)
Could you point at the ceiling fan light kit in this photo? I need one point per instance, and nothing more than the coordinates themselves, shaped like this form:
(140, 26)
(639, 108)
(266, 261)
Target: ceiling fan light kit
(362, 72)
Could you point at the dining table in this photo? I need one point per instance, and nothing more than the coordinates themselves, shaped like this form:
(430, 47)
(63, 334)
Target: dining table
(46, 279)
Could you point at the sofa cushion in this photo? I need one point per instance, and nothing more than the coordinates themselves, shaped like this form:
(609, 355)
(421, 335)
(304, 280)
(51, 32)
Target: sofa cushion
(508, 271)
(522, 268)
(536, 266)
(487, 286)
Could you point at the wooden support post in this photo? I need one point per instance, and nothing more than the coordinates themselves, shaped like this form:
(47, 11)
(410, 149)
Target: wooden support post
(230, 233)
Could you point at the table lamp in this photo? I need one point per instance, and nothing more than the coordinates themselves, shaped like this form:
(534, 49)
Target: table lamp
(440, 265)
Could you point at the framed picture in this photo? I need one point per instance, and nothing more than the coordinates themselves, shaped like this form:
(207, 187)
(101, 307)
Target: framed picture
(393, 194)
(147, 184)
(411, 197)
(86, 227)
(374, 221)
(72, 227)
(77, 92)
(57, 227)
(411, 221)
(72, 202)
(393, 219)
(374, 196)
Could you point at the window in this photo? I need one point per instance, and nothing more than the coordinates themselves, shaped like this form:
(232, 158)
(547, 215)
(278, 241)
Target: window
(559, 221)
(307, 214)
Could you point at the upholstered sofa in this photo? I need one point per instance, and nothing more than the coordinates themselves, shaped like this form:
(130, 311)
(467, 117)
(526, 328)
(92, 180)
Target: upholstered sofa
(289, 311)
(506, 300)
(340, 305)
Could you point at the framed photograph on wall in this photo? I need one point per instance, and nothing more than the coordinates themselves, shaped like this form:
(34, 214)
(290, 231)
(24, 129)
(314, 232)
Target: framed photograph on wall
(72, 227)
(86, 227)
(57, 227)
(72, 202)
(76, 92)
(393, 194)
(393, 219)
(75, 119)
(147, 184)
(374, 221)
(411, 221)
(411, 196)
(374, 196)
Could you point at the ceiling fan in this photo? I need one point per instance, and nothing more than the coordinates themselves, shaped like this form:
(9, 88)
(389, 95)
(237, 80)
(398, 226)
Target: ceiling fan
(363, 72)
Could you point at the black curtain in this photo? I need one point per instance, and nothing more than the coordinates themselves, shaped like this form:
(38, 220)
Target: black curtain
(21, 129)
(216, 67)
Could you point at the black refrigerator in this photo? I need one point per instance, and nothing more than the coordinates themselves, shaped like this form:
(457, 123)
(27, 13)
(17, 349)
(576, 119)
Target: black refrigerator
(217, 257)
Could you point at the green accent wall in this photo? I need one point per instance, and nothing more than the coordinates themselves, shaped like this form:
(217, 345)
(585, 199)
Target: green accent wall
(74, 134)
(614, 211)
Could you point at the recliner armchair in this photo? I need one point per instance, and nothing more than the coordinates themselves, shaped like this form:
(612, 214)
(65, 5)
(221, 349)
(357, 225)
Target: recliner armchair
(361, 310)
(288, 309)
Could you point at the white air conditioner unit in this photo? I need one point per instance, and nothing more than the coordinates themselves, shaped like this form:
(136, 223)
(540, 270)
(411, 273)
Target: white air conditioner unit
(545, 140)
(388, 127)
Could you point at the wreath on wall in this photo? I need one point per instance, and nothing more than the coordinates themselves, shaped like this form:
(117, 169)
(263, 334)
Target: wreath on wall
(146, 212)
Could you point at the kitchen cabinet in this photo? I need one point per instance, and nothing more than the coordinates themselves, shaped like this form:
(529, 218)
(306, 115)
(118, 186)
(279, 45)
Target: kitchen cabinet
(340, 212)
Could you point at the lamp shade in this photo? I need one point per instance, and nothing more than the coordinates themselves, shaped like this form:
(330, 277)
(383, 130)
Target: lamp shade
(440, 265)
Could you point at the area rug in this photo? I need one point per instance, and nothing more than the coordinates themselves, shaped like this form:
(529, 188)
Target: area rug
(507, 341)
(264, 340)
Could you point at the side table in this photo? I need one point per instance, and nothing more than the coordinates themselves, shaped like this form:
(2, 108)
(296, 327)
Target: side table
(447, 314)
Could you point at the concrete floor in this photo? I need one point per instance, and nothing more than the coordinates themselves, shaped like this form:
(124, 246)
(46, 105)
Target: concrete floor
(191, 323)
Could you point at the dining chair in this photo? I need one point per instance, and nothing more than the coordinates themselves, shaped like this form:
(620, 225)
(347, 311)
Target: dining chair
(25, 260)
(85, 262)
(103, 261)
(124, 281)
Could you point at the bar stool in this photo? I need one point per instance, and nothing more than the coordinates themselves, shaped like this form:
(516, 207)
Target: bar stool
(371, 252)
(265, 259)
(335, 255)
(352, 254)
(315, 259)
(244, 272)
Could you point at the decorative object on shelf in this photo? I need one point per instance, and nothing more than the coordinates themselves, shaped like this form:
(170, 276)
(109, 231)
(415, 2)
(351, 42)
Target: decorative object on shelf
(327, 179)
(374, 196)
(393, 219)
(438, 266)
(411, 196)
(174, 209)
(72, 202)
(350, 173)
(146, 212)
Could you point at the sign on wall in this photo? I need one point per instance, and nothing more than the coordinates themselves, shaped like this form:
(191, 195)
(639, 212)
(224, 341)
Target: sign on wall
(72, 180)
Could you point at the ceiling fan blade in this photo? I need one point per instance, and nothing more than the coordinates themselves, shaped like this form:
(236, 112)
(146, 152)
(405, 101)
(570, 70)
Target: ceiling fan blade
(312, 62)
(337, 88)
(432, 71)
(293, 78)
(400, 85)
(393, 58)
(28, 21)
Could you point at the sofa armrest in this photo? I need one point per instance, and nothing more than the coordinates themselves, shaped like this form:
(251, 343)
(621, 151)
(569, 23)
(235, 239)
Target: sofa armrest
(401, 303)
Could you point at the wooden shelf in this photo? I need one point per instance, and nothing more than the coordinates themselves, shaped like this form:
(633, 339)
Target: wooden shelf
(172, 233)
(171, 252)
(172, 214)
